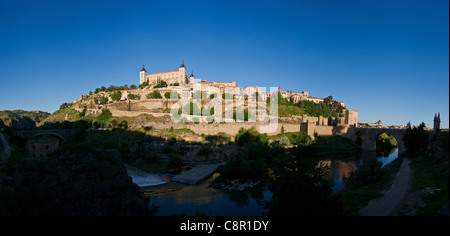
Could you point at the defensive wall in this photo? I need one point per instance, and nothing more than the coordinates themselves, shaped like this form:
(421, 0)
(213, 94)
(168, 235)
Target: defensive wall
(313, 126)
(215, 128)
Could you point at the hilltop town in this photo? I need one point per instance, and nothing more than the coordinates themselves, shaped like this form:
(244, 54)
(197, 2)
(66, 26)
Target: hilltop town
(152, 98)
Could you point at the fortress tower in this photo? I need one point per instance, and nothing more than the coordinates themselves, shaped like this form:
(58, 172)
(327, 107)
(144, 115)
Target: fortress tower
(191, 77)
(142, 75)
(182, 73)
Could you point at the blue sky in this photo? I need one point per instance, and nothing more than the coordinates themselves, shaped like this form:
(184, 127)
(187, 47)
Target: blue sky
(387, 59)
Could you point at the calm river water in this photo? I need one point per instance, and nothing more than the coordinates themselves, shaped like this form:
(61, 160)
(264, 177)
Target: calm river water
(175, 198)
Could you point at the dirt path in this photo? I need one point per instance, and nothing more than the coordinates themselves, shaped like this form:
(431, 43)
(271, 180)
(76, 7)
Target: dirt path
(392, 198)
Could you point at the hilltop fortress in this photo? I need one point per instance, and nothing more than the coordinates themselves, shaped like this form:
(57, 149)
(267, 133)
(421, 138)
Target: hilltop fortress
(134, 102)
(180, 79)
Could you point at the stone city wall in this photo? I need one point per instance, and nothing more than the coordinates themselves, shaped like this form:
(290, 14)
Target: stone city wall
(215, 128)
(319, 126)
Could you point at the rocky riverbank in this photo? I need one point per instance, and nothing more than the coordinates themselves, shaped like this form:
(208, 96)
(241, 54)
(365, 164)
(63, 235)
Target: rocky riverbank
(235, 185)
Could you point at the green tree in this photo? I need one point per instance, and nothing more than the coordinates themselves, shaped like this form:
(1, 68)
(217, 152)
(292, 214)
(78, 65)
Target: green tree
(154, 94)
(167, 95)
(143, 85)
(328, 100)
(160, 84)
(65, 105)
(416, 140)
(247, 136)
(116, 96)
(300, 186)
(249, 163)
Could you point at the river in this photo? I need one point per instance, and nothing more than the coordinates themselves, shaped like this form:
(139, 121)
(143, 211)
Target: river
(201, 199)
(342, 164)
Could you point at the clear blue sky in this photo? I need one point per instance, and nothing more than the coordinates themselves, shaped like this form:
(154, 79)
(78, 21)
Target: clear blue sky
(387, 59)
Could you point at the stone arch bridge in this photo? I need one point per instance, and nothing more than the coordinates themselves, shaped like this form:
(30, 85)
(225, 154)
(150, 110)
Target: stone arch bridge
(65, 135)
(369, 142)
(41, 142)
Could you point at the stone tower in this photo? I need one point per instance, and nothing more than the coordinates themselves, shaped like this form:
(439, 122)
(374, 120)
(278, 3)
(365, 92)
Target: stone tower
(182, 74)
(437, 122)
(142, 75)
(191, 77)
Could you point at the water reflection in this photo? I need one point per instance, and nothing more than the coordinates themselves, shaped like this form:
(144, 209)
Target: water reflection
(340, 167)
(179, 199)
(175, 198)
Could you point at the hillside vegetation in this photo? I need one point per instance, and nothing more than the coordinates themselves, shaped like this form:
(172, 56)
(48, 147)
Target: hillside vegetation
(21, 119)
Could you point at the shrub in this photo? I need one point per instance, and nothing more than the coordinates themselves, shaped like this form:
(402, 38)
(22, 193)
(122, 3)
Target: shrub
(134, 96)
(123, 124)
(243, 169)
(103, 100)
(154, 94)
(284, 141)
(104, 116)
(65, 105)
(116, 96)
(204, 151)
(143, 85)
(160, 84)
(218, 139)
(299, 138)
(250, 136)
(175, 162)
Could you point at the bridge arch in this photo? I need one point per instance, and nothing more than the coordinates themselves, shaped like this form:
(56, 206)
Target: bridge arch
(48, 133)
(369, 142)
(388, 140)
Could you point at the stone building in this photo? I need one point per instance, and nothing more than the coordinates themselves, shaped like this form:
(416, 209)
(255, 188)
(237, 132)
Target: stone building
(177, 79)
(170, 77)
(40, 145)
(296, 97)
(378, 124)
(351, 118)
